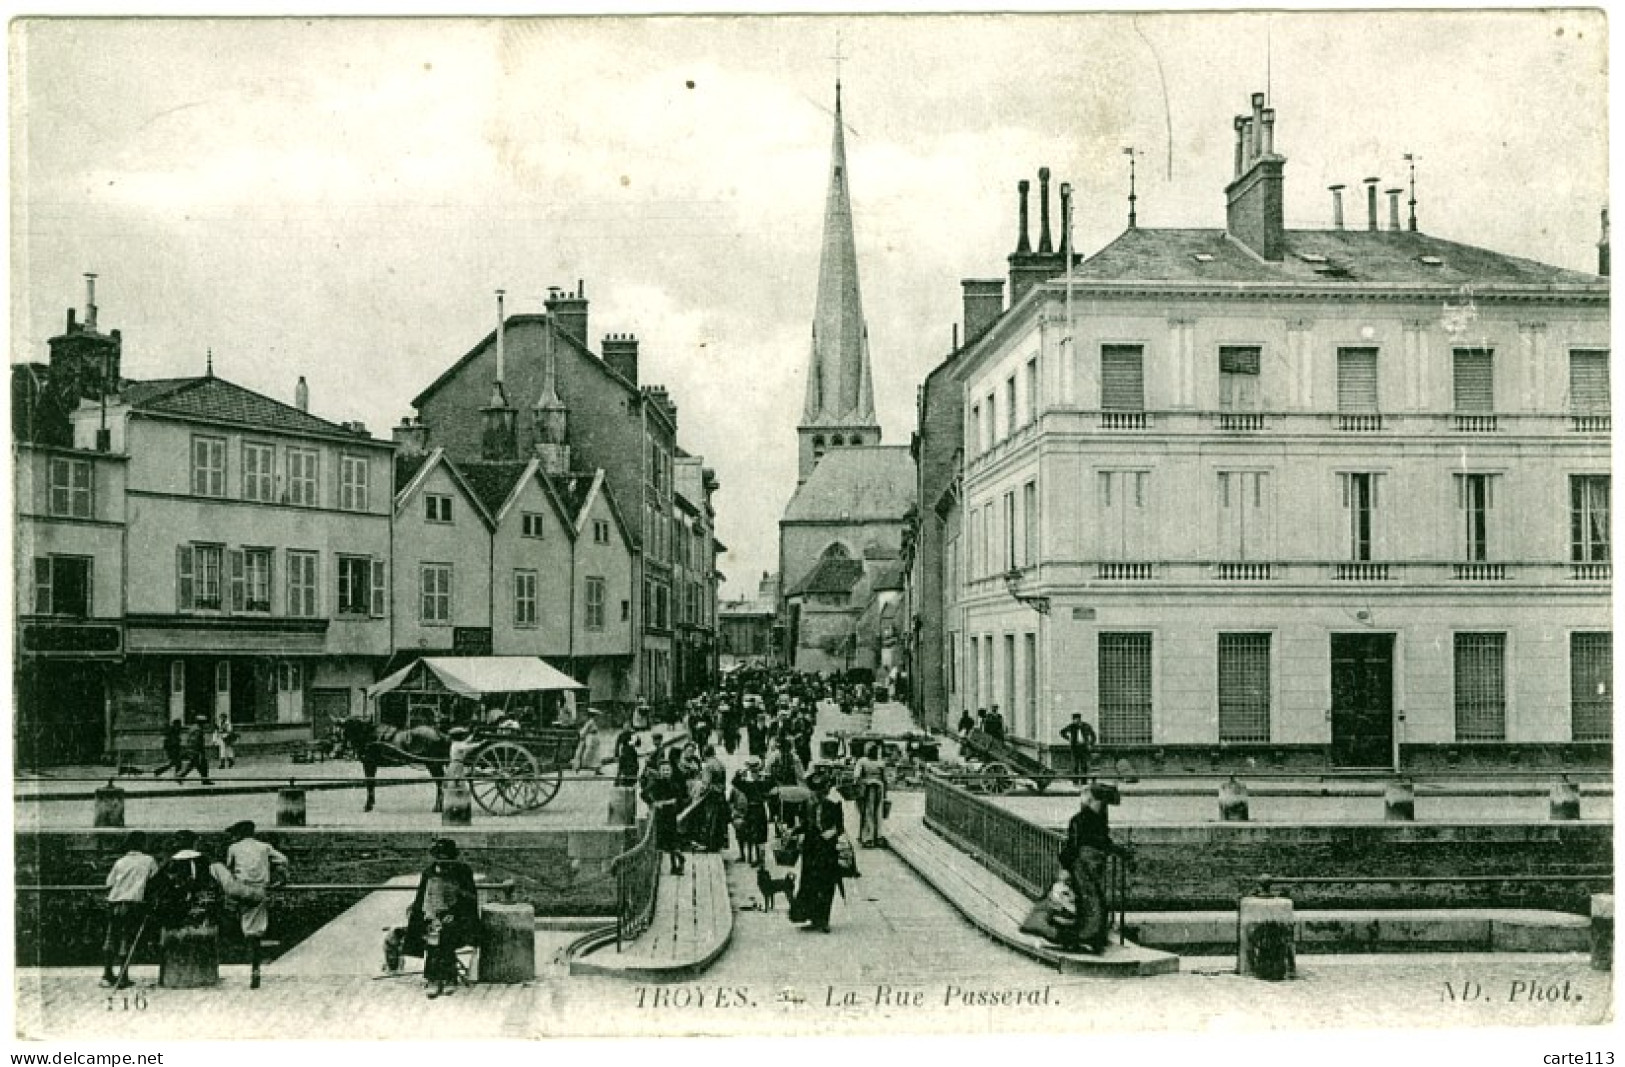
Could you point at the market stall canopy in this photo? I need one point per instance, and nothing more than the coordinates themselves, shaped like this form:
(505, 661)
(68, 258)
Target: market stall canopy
(474, 676)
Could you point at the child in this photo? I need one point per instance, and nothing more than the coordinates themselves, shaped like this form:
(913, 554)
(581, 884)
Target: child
(126, 907)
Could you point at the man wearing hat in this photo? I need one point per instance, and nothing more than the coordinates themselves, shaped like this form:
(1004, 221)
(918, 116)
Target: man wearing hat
(1083, 856)
(256, 867)
(823, 823)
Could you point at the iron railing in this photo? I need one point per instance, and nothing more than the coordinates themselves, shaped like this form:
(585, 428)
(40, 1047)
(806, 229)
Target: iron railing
(504, 887)
(1023, 854)
(637, 882)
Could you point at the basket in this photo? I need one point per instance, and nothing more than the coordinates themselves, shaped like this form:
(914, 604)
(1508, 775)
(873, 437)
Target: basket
(786, 853)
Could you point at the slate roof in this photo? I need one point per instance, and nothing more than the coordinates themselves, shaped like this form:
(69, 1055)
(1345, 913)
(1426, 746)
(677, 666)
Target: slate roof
(406, 468)
(492, 482)
(888, 577)
(860, 483)
(218, 400)
(1388, 257)
(833, 575)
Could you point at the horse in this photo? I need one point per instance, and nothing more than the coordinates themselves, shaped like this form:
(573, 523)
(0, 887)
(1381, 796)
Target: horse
(377, 745)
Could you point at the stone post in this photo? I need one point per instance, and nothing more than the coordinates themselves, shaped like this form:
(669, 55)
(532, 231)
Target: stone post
(1232, 802)
(191, 958)
(508, 953)
(623, 806)
(1565, 800)
(1399, 801)
(109, 807)
(290, 806)
(1264, 938)
(456, 802)
(1602, 931)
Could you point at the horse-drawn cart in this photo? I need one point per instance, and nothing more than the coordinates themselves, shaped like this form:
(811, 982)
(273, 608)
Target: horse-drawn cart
(999, 764)
(491, 723)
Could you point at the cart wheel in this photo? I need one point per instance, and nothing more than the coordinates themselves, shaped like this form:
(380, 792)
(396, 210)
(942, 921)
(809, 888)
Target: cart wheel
(545, 788)
(503, 778)
(996, 779)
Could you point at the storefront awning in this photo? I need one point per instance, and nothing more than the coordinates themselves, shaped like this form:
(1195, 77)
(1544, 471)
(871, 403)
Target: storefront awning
(474, 676)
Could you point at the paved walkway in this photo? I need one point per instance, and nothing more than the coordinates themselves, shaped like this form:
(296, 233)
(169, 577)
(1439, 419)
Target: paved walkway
(691, 927)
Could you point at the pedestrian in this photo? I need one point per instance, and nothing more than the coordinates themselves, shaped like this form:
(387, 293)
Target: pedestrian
(714, 822)
(174, 746)
(256, 868)
(626, 758)
(750, 793)
(197, 750)
(870, 771)
(444, 917)
(756, 735)
(1083, 855)
(966, 722)
(589, 750)
(822, 824)
(225, 741)
(784, 771)
(666, 794)
(1080, 738)
(126, 908)
(187, 895)
(640, 717)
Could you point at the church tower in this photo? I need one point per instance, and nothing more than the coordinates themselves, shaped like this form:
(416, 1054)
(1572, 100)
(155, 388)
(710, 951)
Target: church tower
(840, 408)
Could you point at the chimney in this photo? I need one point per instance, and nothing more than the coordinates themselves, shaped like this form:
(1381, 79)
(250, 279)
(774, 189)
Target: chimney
(301, 394)
(497, 439)
(82, 360)
(1255, 210)
(1066, 224)
(411, 437)
(1337, 206)
(621, 353)
(1371, 203)
(90, 302)
(569, 311)
(1023, 246)
(1602, 247)
(984, 303)
(1393, 208)
(1044, 246)
(502, 322)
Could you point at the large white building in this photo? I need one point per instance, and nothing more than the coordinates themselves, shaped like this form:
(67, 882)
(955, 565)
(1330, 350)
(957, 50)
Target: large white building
(1270, 497)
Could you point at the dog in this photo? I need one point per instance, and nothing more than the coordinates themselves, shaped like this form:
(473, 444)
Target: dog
(394, 942)
(771, 886)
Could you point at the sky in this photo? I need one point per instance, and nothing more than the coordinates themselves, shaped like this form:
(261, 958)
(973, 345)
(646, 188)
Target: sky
(339, 199)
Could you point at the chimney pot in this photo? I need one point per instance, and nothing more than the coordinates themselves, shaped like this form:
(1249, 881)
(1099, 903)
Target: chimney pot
(1066, 224)
(1371, 202)
(1603, 264)
(1269, 131)
(90, 302)
(1337, 206)
(1393, 208)
(1023, 246)
(1257, 125)
(1044, 245)
(301, 394)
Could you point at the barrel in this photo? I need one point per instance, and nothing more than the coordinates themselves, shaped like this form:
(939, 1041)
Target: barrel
(1232, 802)
(1399, 801)
(109, 806)
(508, 950)
(457, 803)
(1264, 938)
(290, 806)
(1565, 800)
(191, 958)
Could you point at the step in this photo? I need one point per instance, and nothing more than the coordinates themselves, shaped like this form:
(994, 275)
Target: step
(1413, 930)
(691, 927)
(997, 908)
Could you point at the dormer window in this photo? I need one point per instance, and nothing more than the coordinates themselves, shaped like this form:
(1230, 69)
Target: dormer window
(1202, 257)
(1431, 261)
(1311, 257)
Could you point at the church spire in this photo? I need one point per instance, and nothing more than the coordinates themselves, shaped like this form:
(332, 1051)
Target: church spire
(840, 394)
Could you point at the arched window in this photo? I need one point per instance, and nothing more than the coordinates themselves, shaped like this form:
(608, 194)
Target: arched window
(818, 441)
(838, 441)
(857, 440)
(835, 550)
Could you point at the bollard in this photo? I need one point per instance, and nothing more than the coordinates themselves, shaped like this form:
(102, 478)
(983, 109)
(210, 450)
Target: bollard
(191, 957)
(290, 806)
(1565, 800)
(1399, 801)
(1264, 938)
(109, 806)
(457, 803)
(1602, 931)
(508, 951)
(1232, 802)
(623, 806)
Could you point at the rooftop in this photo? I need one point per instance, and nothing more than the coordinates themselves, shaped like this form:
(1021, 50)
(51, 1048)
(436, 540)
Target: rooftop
(858, 484)
(218, 400)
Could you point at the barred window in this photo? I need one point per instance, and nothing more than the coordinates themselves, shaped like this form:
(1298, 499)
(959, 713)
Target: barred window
(1122, 378)
(1125, 688)
(1591, 686)
(1481, 687)
(1244, 687)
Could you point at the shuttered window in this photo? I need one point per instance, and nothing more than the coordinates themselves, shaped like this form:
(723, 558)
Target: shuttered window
(1475, 380)
(1244, 687)
(1122, 378)
(1356, 380)
(1125, 688)
(1588, 382)
(1238, 377)
(1481, 712)
(1591, 686)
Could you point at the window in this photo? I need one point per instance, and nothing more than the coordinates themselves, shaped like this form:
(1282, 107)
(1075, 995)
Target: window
(1356, 381)
(209, 466)
(1124, 530)
(1125, 688)
(436, 507)
(302, 573)
(1588, 382)
(222, 676)
(1588, 518)
(355, 585)
(1010, 530)
(524, 598)
(1244, 687)
(1481, 687)
(1029, 523)
(199, 577)
(973, 677)
(353, 473)
(1245, 519)
(177, 677)
(62, 586)
(992, 403)
(434, 582)
(1010, 411)
(595, 603)
(251, 580)
(1475, 381)
(1122, 378)
(1360, 504)
(1010, 679)
(975, 433)
(71, 484)
(1031, 717)
(1238, 377)
(626, 611)
(1475, 497)
(302, 481)
(1032, 389)
(259, 472)
(1591, 680)
(530, 524)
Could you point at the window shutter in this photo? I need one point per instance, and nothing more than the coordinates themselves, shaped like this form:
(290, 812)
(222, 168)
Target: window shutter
(1356, 380)
(239, 580)
(183, 578)
(1588, 382)
(42, 585)
(1238, 360)
(1122, 378)
(1475, 380)
(378, 588)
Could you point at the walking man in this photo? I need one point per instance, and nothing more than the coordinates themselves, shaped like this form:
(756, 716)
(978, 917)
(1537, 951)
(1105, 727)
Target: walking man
(126, 908)
(174, 759)
(1080, 738)
(197, 750)
(257, 867)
